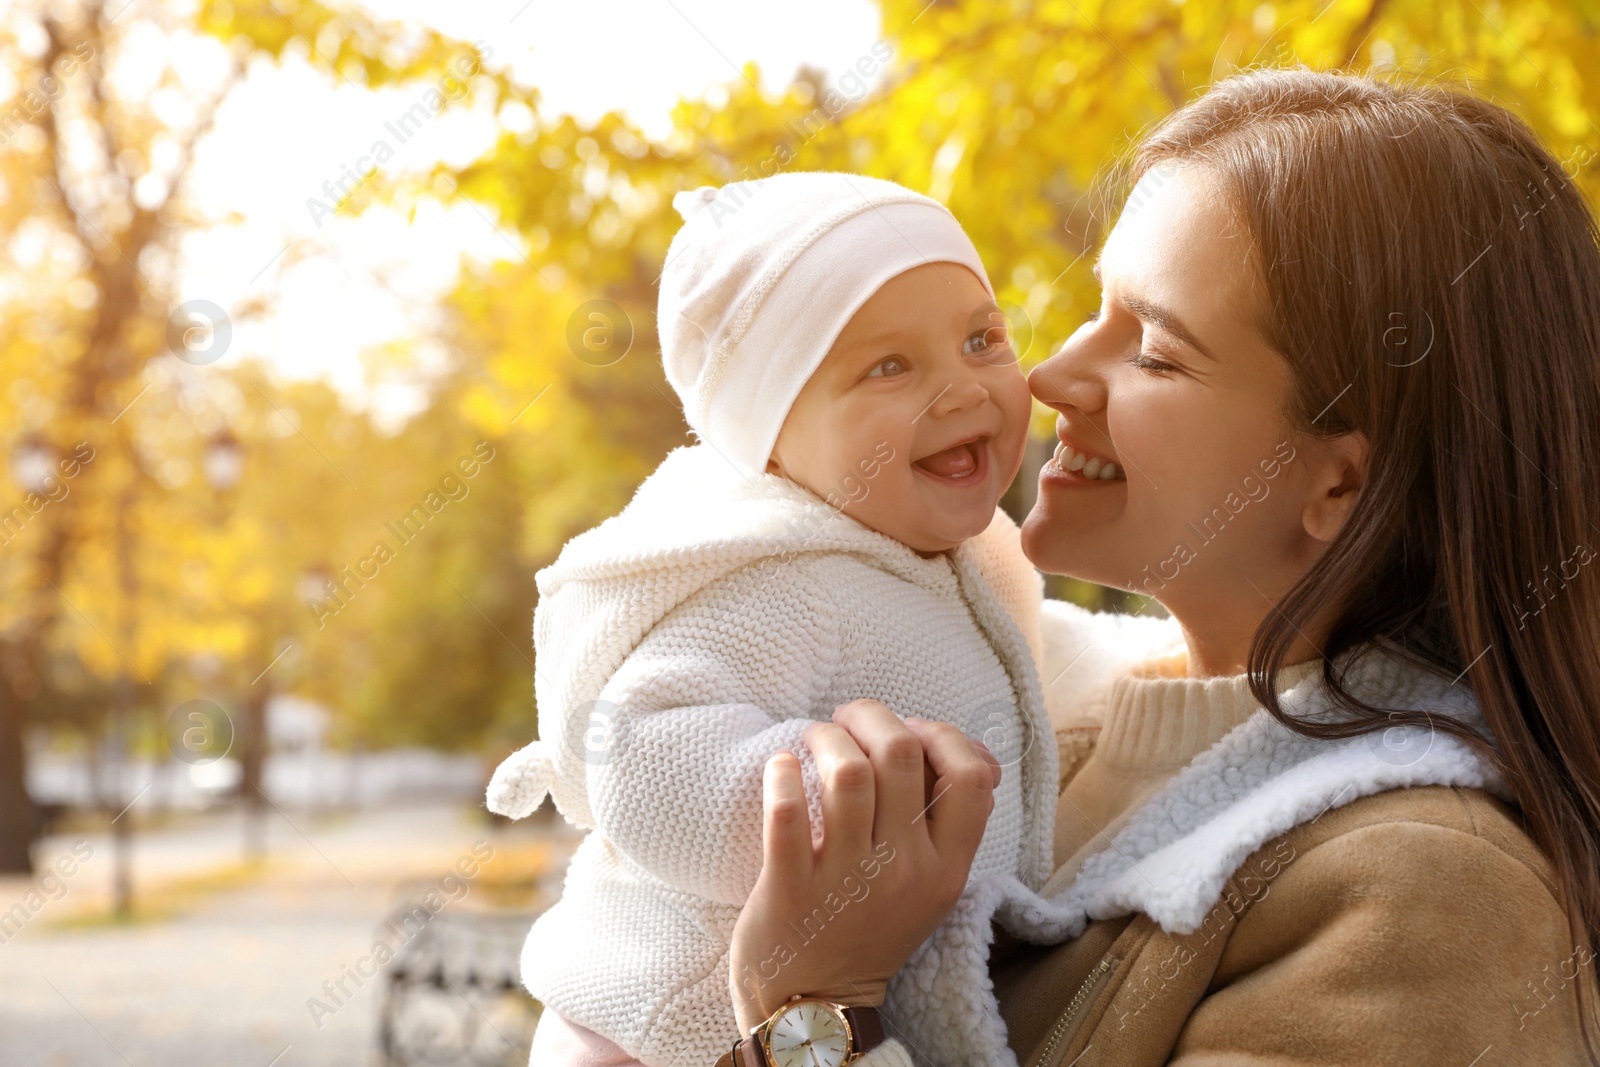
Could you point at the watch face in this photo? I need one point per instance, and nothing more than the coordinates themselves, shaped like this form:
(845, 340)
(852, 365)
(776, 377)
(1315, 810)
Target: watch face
(808, 1034)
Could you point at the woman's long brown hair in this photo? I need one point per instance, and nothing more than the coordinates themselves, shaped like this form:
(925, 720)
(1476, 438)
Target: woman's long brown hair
(1433, 277)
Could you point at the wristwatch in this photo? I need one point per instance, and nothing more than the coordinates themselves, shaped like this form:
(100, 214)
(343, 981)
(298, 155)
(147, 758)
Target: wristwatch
(808, 1032)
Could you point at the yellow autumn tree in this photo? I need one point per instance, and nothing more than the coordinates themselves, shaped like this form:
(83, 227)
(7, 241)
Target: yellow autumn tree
(1011, 113)
(110, 595)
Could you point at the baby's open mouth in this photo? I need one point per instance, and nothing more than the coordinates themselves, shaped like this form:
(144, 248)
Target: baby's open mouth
(961, 463)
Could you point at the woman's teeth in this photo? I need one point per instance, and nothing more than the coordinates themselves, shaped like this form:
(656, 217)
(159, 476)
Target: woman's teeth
(1068, 458)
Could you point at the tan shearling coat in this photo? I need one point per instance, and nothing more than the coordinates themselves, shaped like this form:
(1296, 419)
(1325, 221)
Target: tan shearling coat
(1289, 901)
(1418, 926)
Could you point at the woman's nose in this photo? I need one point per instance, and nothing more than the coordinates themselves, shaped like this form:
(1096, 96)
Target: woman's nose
(1070, 377)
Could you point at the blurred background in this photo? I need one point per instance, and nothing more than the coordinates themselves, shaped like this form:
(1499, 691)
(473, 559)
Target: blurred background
(323, 326)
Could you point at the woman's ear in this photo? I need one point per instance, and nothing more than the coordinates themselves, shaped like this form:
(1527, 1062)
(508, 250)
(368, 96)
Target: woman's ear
(1338, 473)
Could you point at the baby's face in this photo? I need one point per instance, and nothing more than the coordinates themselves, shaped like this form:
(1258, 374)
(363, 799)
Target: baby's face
(915, 422)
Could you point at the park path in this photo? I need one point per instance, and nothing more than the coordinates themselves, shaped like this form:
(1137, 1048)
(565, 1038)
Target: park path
(227, 976)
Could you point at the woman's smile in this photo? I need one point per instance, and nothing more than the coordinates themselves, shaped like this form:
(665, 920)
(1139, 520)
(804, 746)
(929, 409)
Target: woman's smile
(1073, 464)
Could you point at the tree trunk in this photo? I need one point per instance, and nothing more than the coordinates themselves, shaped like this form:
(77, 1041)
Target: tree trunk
(16, 810)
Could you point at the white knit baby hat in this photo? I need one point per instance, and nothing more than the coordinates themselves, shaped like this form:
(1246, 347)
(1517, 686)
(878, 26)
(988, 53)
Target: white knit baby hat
(763, 276)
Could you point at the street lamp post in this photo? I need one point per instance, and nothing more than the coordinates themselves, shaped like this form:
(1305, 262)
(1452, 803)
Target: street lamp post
(314, 585)
(122, 822)
(222, 462)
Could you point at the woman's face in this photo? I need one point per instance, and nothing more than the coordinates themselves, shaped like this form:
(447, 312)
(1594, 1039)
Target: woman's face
(1215, 504)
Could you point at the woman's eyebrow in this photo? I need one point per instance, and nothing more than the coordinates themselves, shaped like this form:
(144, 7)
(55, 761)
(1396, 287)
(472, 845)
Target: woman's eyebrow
(1162, 317)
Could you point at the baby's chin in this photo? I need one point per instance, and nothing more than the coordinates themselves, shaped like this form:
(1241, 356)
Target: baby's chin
(940, 533)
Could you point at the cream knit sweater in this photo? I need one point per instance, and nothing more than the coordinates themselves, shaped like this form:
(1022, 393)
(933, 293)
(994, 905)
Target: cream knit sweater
(1156, 720)
(684, 641)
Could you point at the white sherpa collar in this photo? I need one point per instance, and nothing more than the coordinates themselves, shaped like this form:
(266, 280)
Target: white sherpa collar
(1173, 857)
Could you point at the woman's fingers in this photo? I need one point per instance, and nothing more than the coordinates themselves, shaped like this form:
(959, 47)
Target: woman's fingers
(897, 761)
(989, 758)
(869, 773)
(963, 791)
(847, 790)
(786, 839)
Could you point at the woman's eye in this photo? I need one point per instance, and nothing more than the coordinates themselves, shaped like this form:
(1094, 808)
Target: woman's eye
(1149, 363)
(1093, 315)
(890, 361)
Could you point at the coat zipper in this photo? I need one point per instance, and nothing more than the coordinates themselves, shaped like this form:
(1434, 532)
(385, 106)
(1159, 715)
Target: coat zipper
(1085, 994)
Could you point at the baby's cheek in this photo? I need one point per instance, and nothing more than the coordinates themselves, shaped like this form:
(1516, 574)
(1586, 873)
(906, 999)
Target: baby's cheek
(1012, 394)
(890, 506)
(1017, 409)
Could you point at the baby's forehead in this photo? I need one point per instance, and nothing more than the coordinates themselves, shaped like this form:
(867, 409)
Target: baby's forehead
(916, 302)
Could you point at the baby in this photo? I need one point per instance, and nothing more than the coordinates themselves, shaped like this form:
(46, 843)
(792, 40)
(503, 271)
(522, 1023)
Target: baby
(834, 535)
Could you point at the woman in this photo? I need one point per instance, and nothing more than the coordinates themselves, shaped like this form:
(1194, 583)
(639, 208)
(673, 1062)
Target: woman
(1349, 352)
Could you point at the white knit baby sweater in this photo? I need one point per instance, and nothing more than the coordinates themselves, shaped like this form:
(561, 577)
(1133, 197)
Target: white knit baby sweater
(681, 643)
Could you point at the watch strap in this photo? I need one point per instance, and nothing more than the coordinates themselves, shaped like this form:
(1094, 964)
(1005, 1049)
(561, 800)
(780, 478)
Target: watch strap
(748, 1053)
(867, 1025)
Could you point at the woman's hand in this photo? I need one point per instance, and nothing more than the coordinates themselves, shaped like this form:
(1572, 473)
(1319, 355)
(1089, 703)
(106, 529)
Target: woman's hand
(904, 805)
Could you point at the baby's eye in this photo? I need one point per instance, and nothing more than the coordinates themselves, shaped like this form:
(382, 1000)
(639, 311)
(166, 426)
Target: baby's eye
(888, 361)
(986, 341)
